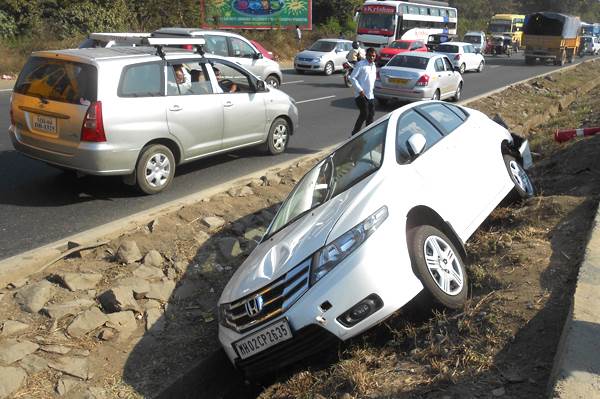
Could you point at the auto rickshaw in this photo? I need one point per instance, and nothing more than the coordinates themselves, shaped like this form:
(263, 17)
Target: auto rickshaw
(501, 45)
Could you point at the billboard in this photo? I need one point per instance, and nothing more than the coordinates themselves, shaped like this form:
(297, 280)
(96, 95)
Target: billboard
(256, 14)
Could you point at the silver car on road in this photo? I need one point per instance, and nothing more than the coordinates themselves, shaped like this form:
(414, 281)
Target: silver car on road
(325, 55)
(140, 111)
(418, 76)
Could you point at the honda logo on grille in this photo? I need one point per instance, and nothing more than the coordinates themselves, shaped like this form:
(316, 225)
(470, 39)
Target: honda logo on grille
(254, 305)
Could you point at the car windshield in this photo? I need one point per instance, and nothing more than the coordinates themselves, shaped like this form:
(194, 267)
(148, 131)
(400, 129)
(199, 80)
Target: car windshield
(409, 61)
(447, 48)
(400, 45)
(472, 39)
(323, 46)
(335, 174)
(500, 26)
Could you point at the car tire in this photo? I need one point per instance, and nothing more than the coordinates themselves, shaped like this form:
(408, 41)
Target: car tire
(439, 265)
(278, 137)
(457, 93)
(155, 169)
(462, 69)
(273, 81)
(480, 67)
(436, 95)
(329, 68)
(524, 187)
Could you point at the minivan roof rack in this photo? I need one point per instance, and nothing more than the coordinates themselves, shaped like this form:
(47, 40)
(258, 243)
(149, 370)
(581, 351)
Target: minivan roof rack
(160, 42)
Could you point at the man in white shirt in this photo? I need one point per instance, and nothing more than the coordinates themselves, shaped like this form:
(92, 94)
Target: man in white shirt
(363, 80)
(299, 37)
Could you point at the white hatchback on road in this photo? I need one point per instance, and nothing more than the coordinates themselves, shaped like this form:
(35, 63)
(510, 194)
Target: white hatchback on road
(463, 55)
(381, 218)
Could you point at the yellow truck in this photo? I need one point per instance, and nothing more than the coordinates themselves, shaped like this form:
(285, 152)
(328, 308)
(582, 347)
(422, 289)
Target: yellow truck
(508, 24)
(551, 36)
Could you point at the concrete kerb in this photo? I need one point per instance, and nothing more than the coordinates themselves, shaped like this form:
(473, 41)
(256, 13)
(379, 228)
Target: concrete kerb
(576, 370)
(25, 264)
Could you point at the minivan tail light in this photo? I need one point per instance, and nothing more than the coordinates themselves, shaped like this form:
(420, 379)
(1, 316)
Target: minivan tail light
(423, 80)
(457, 57)
(187, 47)
(93, 126)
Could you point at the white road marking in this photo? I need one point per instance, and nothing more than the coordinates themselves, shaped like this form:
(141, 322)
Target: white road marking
(314, 99)
(292, 82)
(493, 66)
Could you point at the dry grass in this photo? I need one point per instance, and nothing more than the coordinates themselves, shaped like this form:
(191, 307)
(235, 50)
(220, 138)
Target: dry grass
(15, 53)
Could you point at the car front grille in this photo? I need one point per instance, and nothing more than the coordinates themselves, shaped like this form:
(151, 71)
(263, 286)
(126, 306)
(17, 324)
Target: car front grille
(268, 302)
(304, 59)
(307, 341)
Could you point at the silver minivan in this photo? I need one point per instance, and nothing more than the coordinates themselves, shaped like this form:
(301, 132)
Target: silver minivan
(140, 111)
(233, 47)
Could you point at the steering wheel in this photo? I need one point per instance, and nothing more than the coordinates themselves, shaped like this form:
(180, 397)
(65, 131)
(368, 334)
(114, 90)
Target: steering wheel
(226, 84)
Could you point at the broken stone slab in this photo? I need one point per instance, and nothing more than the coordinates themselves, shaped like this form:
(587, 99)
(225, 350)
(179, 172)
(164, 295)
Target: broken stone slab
(11, 379)
(128, 252)
(148, 273)
(201, 237)
(13, 327)
(118, 299)
(153, 258)
(13, 350)
(138, 285)
(60, 349)
(74, 366)
(161, 290)
(33, 363)
(66, 385)
(123, 322)
(271, 179)
(79, 281)
(230, 247)
(152, 304)
(56, 311)
(243, 191)
(79, 352)
(254, 234)
(213, 222)
(32, 298)
(86, 322)
(155, 321)
(18, 283)
(254, 183)
(106, 334)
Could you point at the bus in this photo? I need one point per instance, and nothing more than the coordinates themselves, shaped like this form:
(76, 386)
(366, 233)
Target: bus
(382, 22)
(588, 29)
(508, 24)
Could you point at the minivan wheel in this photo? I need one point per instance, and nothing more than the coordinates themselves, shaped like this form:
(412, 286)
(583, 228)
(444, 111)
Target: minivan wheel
(155, 169)
(278, 137)
(462, 68)
(457, 93)
(480, 68)
(524, 187)
(273, 81)
(328, 68)
(439, 265)
(436, 95)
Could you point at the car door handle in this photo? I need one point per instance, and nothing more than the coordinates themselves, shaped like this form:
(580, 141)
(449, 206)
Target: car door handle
(228, 104)
(175, 108)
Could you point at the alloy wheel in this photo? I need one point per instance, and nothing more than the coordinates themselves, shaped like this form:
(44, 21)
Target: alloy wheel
(443, 265)
(519, 176)
(158, 169)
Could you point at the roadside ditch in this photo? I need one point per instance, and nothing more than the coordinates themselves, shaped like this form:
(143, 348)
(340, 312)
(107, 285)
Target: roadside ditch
(136, 317)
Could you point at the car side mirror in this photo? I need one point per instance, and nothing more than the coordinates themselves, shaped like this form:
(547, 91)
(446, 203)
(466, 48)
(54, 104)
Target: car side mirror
(257, 56)
(416, 144)
(456, 69)
(261, 85)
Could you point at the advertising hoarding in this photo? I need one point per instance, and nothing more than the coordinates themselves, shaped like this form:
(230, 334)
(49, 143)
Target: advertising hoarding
(256, 14)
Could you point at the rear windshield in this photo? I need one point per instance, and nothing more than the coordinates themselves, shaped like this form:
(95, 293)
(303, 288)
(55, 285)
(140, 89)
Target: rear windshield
(58, 80)
(446, 48)
(409, 61)
(400, 45)
(472, 39)
(323, 46)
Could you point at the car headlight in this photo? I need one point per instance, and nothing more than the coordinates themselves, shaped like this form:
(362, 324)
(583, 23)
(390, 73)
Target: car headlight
(328, 257)
(318, 59)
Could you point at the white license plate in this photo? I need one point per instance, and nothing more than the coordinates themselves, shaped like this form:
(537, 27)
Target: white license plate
(263, 339)
(43, 123)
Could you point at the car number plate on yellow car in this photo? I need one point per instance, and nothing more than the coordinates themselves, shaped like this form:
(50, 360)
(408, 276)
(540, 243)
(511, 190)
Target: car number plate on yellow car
(263, 339)
(398, 81)
(45, 124)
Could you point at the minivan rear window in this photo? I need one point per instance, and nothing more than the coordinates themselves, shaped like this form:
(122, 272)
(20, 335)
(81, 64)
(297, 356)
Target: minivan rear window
(58, 80)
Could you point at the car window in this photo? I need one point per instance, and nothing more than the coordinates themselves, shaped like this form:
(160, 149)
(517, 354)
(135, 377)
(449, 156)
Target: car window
(448, 48)
(230, 78)
(439, 65)
(460, 112)
(241, 48)
(322, 46)
(196, 80)
(142, 80)
(216, 45)
(409, 61)
(447, 120)
(400, 45)
(412, 123)
(449, 66)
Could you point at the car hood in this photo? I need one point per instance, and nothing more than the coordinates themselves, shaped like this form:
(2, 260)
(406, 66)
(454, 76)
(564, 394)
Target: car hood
(287, 248)
(312, 54)
(393, 51)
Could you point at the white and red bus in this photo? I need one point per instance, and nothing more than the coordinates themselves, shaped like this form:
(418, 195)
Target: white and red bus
(382, 22)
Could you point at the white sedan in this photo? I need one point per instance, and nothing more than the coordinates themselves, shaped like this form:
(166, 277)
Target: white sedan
(463, 56)
(380, 219)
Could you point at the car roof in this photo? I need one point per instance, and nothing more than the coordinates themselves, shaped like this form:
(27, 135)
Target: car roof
(192, 31)
(421, 54)
(474, 32)
(335, 40)
(457, 44)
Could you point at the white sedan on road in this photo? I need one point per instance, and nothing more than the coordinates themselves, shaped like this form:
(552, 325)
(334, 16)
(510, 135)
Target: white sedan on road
(381, 218)
(463, 56)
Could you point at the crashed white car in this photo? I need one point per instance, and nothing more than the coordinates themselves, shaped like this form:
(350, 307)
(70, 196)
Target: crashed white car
(378, 220)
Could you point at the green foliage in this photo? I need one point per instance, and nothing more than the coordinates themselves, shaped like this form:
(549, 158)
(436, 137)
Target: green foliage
(8, 26)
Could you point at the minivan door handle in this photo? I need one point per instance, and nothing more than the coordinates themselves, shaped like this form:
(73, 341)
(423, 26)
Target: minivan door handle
(228, 104)
(175, 108)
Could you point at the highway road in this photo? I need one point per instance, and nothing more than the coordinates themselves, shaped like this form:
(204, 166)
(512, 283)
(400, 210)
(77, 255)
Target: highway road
(39, 204)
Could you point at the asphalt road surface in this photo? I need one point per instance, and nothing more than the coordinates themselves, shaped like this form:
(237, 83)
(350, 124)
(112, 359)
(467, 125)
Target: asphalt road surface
(39, 204)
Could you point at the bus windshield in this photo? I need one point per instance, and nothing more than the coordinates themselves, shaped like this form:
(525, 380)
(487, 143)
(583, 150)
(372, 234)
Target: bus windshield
(500, 26)
(383, 24)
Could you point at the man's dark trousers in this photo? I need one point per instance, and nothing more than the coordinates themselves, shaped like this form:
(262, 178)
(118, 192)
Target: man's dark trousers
(367, 112)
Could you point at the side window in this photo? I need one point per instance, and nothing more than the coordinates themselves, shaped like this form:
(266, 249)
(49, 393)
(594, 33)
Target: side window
(141, 81)
(446, 119)
(231, 79)
(461, 113)
(448, 64)
(241, 48)
(216, 45)
(188, 78)
(411, 123)
(439, 65)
